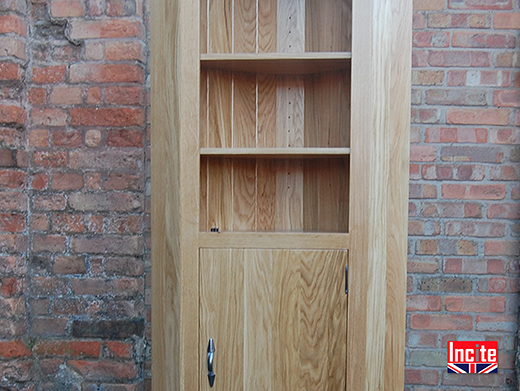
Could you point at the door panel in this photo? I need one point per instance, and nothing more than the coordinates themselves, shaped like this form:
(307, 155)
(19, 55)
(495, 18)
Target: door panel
(277, 318)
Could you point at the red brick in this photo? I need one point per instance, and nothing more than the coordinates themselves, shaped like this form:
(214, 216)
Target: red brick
(498, 285)
(50, 243)
(422, 153)
(67, 181)
(507, 20)
(473, 192)
(125, 138)
(504, 211)
(66, 95)
(94, 95)
(37, 96)
(496, 323)
(12, 179)
(457, 78)
(115, 159)
(480, 4)
(50, 74)
(9, 70)
(425, 116)
(40, 181)
(11, 23)
(13, 349)
(431, 39)
(423, 303)
(422, 376)
(68, 223)
(124, 95)
(105, 73)
(39, 138)
(69, 265)
(49, 117)
(68, 348)
(109, 28)
(419, 21)
(50, 202)
(12, 222)
(502, 247)
(483, 40)
(128, 245)
(506, 98)
(105, 370)
(422, 191)
(49, 327)
(119, 349)
(10, 138)
(13, 286)
(474, 304)
(107, 117)
(471, 116)
(39, 222)
(475, 229)
(66, 139)
(12, 46)
(120, 50)
(455, 135)
(116, 181)
(423, 266)
(459, 58)
(441, 322)
(13, 201)
(12, 114)
(419, 58)
(50, 158)
(67, 8)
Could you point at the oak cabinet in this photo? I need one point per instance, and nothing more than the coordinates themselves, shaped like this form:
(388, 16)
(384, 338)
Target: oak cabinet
(279, 193)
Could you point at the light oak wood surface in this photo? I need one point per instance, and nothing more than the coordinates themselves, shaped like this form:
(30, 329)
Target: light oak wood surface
(277, 318)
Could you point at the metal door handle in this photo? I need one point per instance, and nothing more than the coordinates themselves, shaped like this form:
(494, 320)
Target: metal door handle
(211, 352)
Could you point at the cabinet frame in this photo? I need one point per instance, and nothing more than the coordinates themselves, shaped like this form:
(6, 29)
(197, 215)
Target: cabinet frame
(379, 158)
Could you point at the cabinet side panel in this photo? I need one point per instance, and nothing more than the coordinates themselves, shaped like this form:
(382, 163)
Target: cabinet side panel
(166, 352)
(220, 26)
(328, 25)
(244, 31)
(398, 194)
(267, 30)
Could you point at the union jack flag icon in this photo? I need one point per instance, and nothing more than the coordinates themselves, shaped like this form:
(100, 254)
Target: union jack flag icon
(472, 368)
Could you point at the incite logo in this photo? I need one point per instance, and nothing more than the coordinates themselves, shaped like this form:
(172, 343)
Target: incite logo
(472, 357)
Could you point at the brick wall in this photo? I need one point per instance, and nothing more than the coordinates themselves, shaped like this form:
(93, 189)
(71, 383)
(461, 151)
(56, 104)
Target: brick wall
(74, 194)
(74, 223)
(464, 192)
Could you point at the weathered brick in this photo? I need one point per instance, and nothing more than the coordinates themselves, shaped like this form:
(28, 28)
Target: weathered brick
(483, 40)
(68, 348)
(51, 243)
(105, 370)
(12, 46)
(423, 303)
(66, 96)
(16, 371)
(478, 116)
(112, 329)
(69, 265)
(49, 117)
(50, 74)
(428, 5)
(120, 50)
(49, 327)
(474, 304)
(105, 73)
(480, 4)
(446, 284)
(128, 245)
(473, 192)
(441, 322)
(459, 58)
(12, 113)
(125, 138)
(121, 202)
(107, 117)
(67, 8)
(110, 28)
(506, 20)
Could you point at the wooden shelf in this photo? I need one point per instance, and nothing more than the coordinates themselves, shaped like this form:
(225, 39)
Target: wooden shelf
(278, 63)
(282, 153)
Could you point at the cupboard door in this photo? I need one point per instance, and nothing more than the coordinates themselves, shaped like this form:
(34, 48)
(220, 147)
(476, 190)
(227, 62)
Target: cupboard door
(277, 318)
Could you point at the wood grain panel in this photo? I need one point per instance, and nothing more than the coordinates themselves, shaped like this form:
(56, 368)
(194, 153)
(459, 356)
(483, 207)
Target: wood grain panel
(220, 194)
(203, 208)
(204, 26)
(203, 108)
(266, 195)
(219, 109)
(290, 101)
(289, 195)
(267, 22)
(244, 194)
(291, 26)
(266, 111)
(244, 110)
(327, 110)
(328, 25)
(220, 26)
(285, 308)
(222, 315)
(244, 31)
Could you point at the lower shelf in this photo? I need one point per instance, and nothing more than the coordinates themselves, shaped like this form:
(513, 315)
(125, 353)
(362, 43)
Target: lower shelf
(258, 194)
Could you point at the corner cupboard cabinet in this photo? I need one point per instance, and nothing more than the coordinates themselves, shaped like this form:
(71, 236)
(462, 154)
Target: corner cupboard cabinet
(280, 133)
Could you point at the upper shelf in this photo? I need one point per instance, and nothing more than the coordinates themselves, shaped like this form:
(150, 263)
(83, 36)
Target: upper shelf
(277, 63)
(276, 152)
